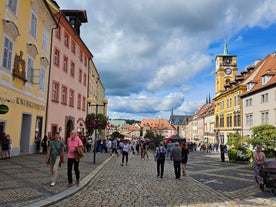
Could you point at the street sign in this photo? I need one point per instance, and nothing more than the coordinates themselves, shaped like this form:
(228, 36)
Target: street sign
(4, 109)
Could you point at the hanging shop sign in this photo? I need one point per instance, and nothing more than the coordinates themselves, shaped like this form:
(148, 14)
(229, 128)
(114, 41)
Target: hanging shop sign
(4, 109)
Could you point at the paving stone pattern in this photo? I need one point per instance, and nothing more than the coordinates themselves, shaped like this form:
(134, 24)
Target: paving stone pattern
(24, 181)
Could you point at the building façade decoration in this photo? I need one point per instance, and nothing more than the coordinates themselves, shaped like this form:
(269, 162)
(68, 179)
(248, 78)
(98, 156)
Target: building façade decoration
(19, 67)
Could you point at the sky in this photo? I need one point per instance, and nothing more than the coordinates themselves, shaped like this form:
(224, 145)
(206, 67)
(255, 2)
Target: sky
(157, 55)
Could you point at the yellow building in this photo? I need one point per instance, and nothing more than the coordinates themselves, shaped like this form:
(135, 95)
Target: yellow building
(227, 98)
(25, 50)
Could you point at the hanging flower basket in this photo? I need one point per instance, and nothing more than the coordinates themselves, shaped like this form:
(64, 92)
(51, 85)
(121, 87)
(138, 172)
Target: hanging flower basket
(95, 122)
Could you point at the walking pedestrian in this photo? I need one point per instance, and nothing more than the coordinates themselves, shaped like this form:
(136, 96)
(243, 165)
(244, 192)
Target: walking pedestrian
(37, 143)
(10, 145)
(184, 154)
(142, 150)
(160, 157)
(137, 146)
(145, 149)
(73, 142)
(258, 158)
(169, 149)
(125, 150)
(177, 158)
(5, 146)
(109, 146)
(223, 150)
(55, 156)
(44, 144)
(115, 146)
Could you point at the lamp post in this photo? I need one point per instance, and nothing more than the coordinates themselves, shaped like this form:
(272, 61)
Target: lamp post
(89, 101)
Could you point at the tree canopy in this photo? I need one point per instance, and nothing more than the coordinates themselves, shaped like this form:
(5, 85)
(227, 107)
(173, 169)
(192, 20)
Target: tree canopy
(265, 136)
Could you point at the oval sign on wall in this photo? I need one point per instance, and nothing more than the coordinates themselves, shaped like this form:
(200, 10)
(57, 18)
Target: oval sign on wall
(4, 109)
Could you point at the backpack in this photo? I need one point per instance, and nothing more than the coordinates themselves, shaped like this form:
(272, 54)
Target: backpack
(162, 156)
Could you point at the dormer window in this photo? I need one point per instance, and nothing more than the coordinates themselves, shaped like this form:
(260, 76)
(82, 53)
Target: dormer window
(265, 79)
(250, 86)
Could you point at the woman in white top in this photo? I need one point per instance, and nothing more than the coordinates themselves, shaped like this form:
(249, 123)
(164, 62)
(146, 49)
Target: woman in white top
(258, 157)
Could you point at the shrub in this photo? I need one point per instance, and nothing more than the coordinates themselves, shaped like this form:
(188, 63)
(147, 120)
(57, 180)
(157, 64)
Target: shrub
(239, 154)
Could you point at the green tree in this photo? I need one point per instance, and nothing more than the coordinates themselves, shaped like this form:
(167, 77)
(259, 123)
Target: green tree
(265, 136)
(236, 140)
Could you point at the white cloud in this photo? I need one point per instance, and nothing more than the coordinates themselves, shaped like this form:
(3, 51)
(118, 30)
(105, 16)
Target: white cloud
(151, 54)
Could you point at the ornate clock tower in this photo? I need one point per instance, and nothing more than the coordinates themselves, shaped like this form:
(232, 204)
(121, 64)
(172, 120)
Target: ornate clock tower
(226, 70)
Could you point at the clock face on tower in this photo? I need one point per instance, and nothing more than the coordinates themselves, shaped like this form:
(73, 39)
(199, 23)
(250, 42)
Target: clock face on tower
(228, 71)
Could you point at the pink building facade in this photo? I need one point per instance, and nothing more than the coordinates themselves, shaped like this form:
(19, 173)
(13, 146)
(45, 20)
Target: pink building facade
(68, 84)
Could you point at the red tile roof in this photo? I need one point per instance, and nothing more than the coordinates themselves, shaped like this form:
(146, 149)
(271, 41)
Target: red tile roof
(265, 67)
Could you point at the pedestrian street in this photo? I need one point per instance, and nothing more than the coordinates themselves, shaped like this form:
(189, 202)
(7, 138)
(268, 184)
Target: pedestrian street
(207, 184)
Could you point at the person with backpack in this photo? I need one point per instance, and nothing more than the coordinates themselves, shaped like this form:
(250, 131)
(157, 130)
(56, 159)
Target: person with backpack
(160, 157)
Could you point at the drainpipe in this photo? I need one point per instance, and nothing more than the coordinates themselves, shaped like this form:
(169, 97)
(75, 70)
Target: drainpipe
(49, 75)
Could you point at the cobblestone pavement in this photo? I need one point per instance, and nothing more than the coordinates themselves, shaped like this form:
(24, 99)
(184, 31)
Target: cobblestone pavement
(26, 179)
(209, 183)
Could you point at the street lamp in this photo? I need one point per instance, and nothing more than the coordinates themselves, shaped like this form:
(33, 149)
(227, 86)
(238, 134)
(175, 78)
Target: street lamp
(89, 101)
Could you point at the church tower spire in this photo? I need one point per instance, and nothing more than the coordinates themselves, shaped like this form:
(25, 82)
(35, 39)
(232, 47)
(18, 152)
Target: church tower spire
(226, 69)
(225, 48)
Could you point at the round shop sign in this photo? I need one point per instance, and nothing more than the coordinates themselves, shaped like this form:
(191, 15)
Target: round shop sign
(4, 109)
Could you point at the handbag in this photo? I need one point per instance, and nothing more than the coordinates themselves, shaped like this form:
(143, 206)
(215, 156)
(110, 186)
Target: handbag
(78, 153)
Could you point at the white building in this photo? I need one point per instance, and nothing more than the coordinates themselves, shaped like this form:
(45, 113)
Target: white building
(259, 100)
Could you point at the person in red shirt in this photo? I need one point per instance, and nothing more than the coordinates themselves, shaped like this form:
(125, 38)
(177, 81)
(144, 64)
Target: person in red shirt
(72, 143)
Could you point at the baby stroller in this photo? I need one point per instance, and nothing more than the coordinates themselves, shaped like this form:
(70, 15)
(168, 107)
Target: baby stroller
(268, 172)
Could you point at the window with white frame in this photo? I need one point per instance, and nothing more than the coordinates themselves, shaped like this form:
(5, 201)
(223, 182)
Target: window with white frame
(12, 5)
(249, 120)
(72, 69)
(73, 47)
(250, 86)
(64, 95)
(71, 97)
(264, 98)
(56, 57)
(265, 118)
(7, 53)
(229, 102)
(222, 105)
(66, 40)
(42, 79)
(57, 32)
(45, 38)
(248, 102)
(33, 25)
(55, 89)
(30, 67)
(237, 100)
(265, 79)
(65, 63)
